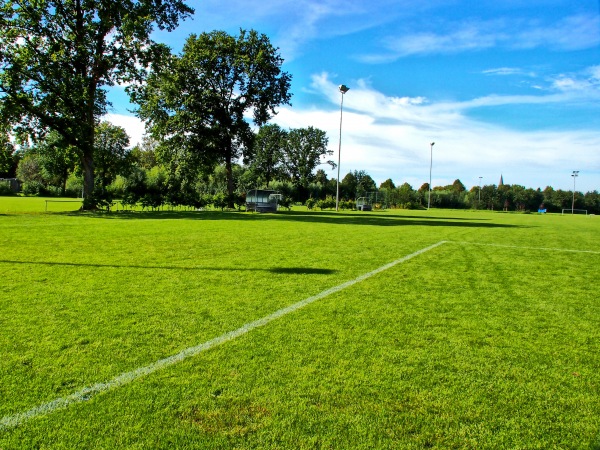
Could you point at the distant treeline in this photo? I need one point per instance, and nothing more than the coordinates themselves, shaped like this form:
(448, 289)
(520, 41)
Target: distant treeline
(139, 179)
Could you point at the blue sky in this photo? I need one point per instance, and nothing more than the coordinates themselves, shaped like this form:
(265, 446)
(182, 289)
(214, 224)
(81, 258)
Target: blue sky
(501, 86)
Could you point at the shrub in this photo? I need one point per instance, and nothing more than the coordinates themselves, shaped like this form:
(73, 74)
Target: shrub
(347, 204)
(286, 202)
(34, 188)
(239, 199)
(328, 203)
(74, 186)
(220, 200)
(5, 189)
(117, 187)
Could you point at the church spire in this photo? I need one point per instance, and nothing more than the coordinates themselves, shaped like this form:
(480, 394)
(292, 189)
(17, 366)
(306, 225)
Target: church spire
(501, 181)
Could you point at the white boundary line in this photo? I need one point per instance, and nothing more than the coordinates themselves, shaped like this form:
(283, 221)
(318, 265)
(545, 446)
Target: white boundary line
(526, 248)
(87, 393)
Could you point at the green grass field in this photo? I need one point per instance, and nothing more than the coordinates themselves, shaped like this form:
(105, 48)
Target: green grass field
(489, 340)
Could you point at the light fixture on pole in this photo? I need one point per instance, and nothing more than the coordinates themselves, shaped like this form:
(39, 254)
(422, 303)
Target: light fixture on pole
(343, 89)
(430, 165)
(479, 201)
(575, 174)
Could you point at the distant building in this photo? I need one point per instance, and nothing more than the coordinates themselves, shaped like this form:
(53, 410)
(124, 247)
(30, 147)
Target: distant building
(501, 183)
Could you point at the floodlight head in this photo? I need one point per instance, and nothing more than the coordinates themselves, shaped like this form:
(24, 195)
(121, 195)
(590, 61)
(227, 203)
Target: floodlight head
(343, 88)
(432, 144)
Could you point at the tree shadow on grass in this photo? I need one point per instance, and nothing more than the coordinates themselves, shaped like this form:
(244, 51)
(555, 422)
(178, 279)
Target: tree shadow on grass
(372, 219)
(275, 270)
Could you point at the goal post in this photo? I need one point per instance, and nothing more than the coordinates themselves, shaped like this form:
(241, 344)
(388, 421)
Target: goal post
(575, 211)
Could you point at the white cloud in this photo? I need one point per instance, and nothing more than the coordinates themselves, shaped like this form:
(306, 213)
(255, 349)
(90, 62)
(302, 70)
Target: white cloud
(132, 125)
(571, 33)
(507, 71)
(389, 138)
(292, 24)
(585, 84)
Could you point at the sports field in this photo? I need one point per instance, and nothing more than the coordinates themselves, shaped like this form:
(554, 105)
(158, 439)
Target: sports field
(297, 330)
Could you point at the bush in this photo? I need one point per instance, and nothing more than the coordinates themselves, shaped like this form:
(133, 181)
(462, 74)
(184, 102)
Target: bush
(286, 202)
(310, 203)
(239, 199)
(347, 204)
(5, 189)
(204, 200)
(53, 191)
(34, 188)
(117, 187)
(328, 203)
(74, 186)
(220, 200)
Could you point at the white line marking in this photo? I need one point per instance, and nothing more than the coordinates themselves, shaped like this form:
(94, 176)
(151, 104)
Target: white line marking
(526, 248)
(125, 378)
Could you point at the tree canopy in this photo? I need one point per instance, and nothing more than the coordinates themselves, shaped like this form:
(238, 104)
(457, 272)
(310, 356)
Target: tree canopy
(6, 153)
(56, 159)
(268, 151)
(110, 152)
(197, 103)
(304, 150)
(57, 57)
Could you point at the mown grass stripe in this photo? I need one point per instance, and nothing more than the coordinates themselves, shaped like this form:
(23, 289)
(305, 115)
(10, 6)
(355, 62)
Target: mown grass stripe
(519, 247)
(87, 393)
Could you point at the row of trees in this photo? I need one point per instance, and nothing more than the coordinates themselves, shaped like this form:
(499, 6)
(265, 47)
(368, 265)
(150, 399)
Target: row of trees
(281, 163)
(58, 57)
(280, 156)
(499, 198)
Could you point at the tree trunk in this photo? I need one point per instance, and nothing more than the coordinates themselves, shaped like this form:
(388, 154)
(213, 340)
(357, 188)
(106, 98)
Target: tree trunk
(229, 173)
(87, 163)
(87, 150)
(63, 184)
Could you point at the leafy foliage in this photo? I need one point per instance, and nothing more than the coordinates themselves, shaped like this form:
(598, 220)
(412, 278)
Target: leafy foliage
(196, 104)
(110, 152)
(57, 57)
(304, 150)
(6, 153)
(268, 153)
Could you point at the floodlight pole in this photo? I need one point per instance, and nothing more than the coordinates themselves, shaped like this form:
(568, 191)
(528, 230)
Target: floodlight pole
(343, 89)
(430, 165)
(575, 174)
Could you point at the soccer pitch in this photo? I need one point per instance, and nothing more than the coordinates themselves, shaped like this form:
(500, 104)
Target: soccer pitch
(439, 329)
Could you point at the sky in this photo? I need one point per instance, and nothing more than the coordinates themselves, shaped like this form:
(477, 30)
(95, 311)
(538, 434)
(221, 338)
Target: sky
(505, 88)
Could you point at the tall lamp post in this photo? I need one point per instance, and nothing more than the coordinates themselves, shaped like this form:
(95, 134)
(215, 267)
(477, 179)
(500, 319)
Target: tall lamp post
(343, 89)
(479, 201)
(430, 165)
(575, 174)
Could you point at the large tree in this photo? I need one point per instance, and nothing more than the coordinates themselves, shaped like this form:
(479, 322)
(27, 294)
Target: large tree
(110, 152)
(144, 154)
(58, 56)
(364, 183)
(387, 184)
(6, 153)
(197, 105)
(56, 159)
(267, 156)
(305, 149)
